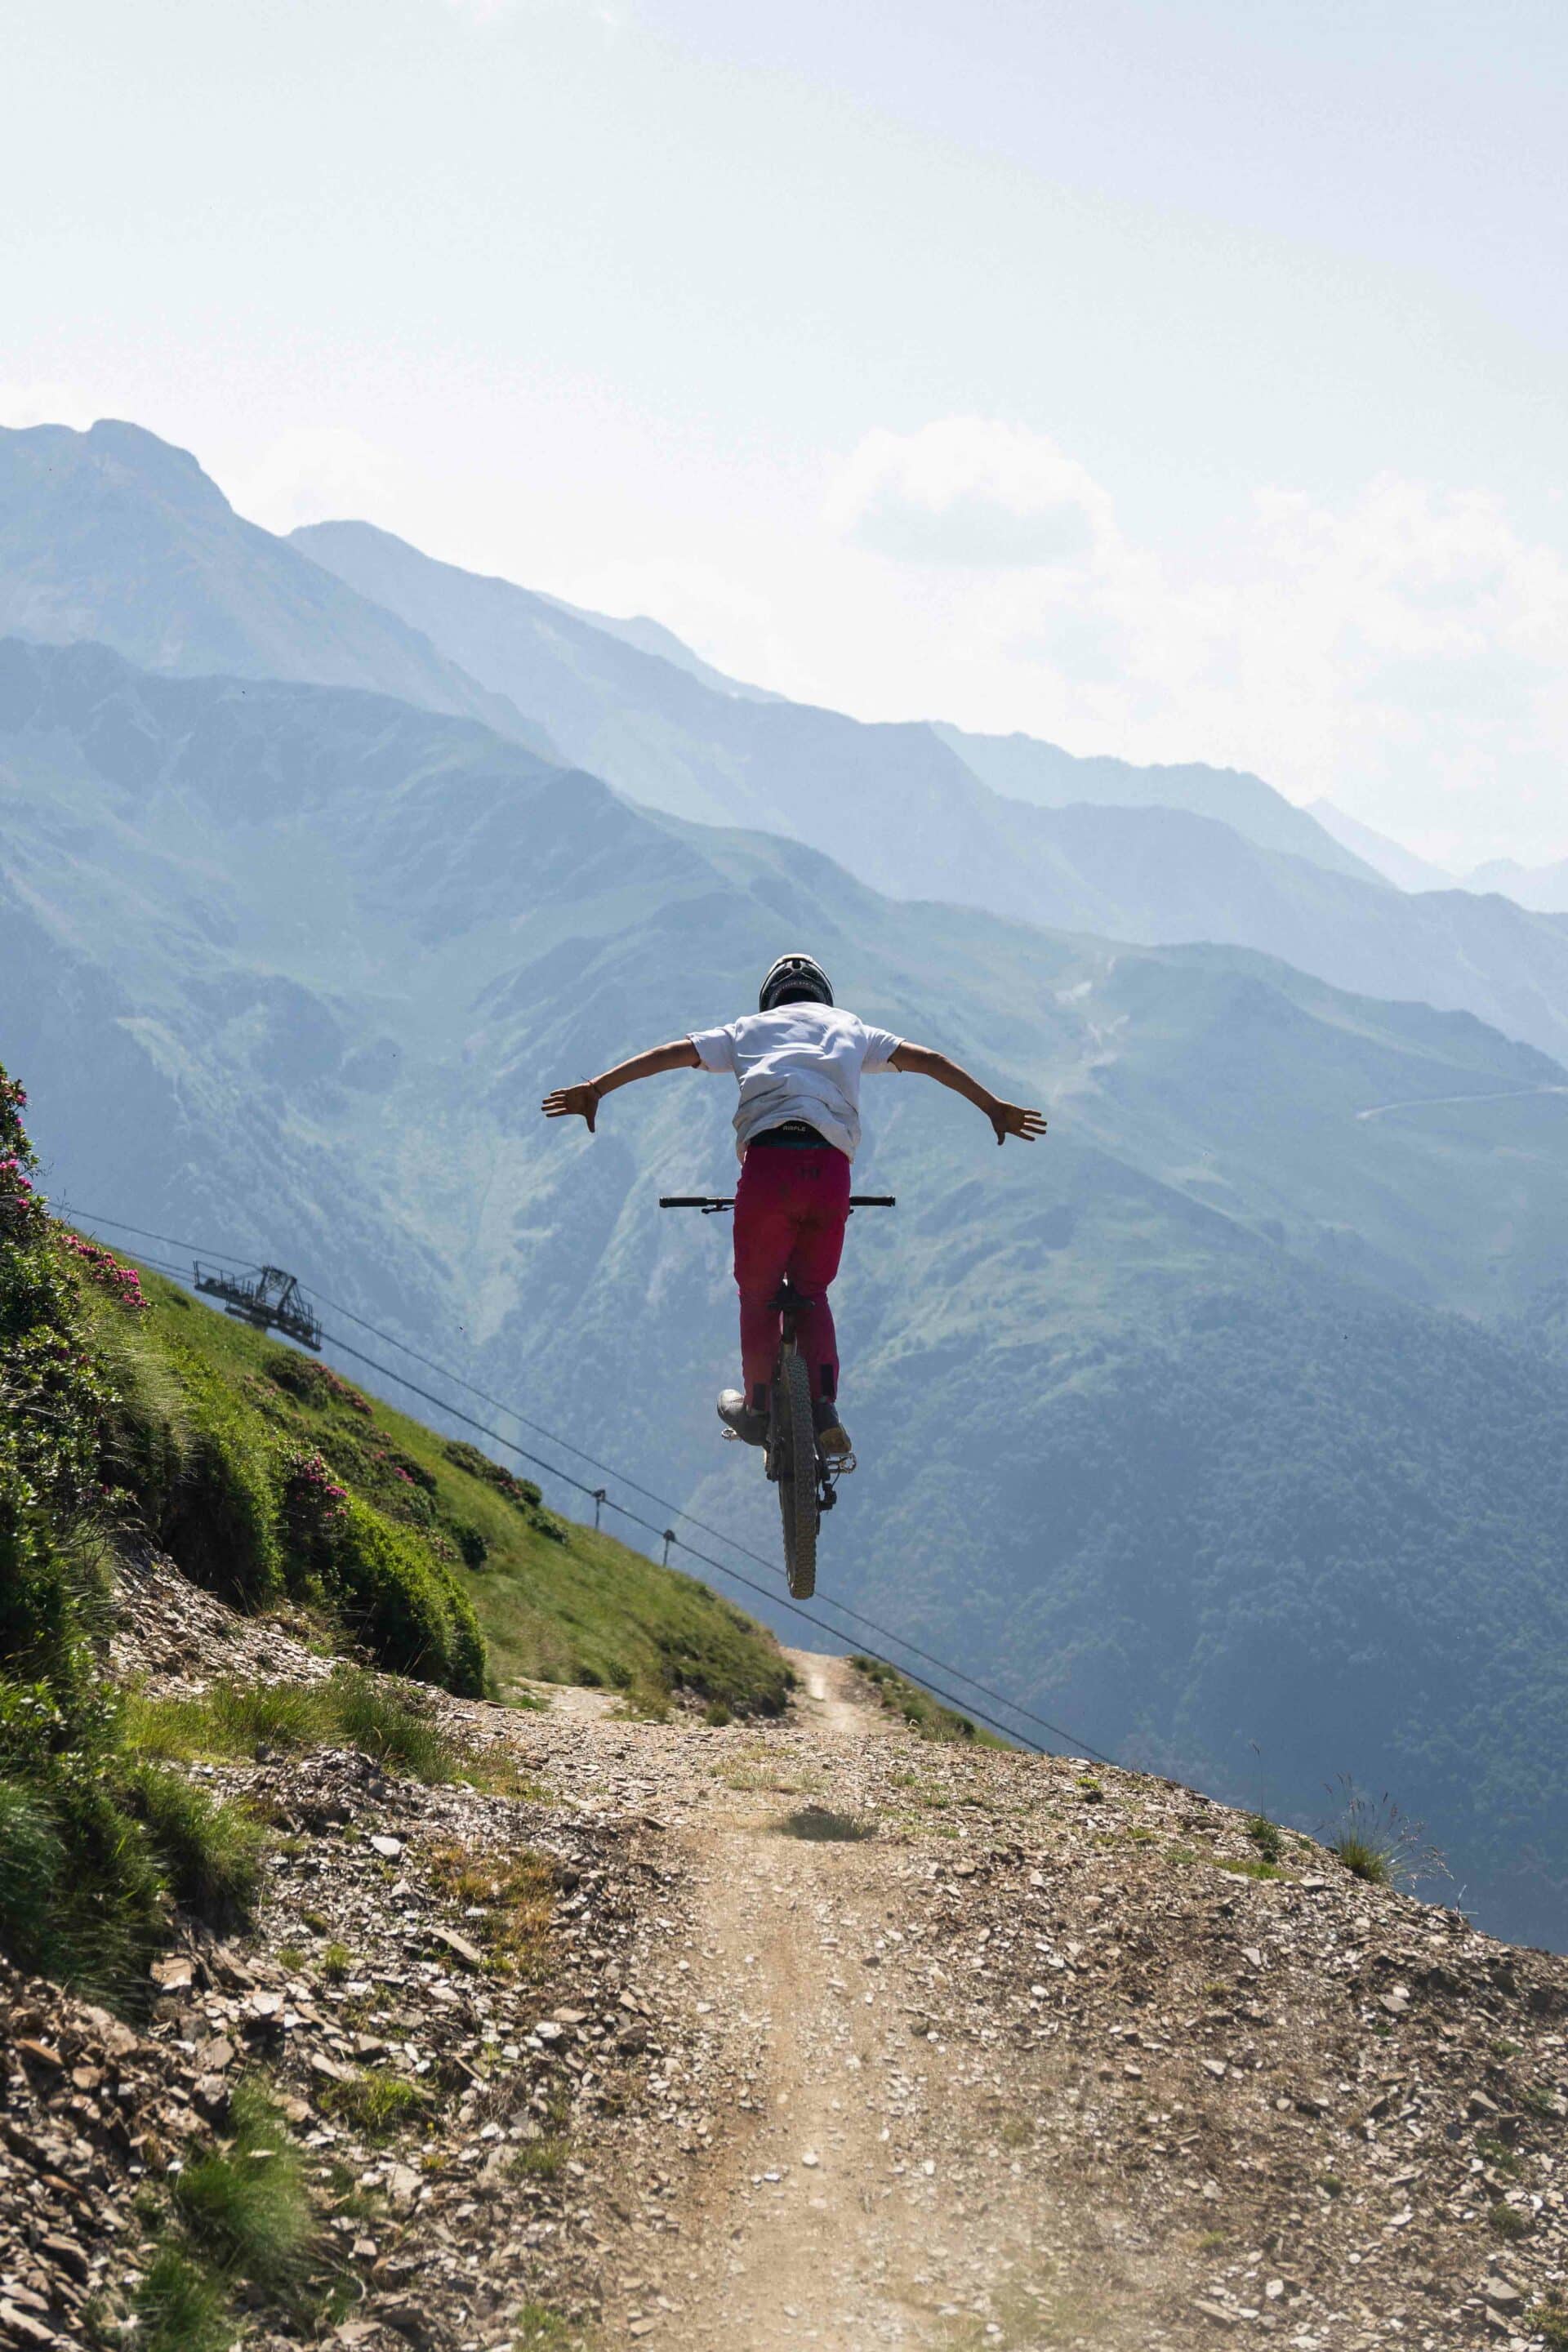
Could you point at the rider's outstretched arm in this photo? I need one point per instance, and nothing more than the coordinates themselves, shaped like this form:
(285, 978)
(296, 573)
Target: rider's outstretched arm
(1007, 1119)
(583, 1101)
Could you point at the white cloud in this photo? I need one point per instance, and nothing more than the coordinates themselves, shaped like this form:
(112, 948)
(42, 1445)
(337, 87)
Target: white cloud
(968, 491)
(1404, 651)
(317, 474)
(47, 404)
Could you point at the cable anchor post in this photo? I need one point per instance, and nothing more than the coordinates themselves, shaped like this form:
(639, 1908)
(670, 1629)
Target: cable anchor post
(670, 1537)
(600, 1499)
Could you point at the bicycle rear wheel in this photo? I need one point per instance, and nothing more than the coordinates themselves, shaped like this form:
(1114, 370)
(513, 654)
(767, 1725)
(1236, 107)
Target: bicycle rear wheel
(795, 1457)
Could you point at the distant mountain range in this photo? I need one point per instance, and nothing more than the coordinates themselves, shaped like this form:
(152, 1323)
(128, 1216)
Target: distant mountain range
(1234, 1414)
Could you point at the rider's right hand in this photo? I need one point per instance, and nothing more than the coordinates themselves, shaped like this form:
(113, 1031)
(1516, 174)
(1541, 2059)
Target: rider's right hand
(573, 1102)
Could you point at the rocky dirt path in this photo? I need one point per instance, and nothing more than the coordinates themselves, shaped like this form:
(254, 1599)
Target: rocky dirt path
(808, 2033)
(962, 2049)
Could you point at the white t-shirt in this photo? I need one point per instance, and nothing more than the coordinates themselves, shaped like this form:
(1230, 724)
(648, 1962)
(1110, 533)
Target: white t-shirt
(801, 1061)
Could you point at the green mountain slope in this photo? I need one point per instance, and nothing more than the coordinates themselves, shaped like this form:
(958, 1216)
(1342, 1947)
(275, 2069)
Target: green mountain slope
(555, 1602)
(293, 966)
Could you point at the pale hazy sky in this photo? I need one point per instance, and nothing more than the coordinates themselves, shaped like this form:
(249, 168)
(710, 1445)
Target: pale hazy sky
(1180, 378)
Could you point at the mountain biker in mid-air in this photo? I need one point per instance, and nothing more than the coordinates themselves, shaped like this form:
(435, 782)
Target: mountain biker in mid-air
(799, 1059)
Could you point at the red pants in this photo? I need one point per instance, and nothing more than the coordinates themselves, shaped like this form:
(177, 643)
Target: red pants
(790, 1208)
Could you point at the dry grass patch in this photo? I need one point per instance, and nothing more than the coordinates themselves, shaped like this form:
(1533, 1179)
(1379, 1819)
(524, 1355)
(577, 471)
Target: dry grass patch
(511, 1896)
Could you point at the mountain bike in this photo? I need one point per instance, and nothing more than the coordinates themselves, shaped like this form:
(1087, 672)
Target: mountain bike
(804, 1476)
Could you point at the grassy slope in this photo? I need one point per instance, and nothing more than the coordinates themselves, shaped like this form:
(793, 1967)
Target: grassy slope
(556, 1601)
(916, 1708)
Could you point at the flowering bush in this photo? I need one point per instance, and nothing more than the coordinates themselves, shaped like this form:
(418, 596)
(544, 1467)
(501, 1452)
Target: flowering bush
(313, 1500)
(122, 1283)
(21, 1204)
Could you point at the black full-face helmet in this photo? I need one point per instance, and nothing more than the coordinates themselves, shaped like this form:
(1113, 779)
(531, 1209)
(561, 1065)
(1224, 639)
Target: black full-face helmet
(795, 980)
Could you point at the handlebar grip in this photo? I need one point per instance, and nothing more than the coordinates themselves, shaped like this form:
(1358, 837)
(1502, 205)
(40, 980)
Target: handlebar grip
(873, 1200)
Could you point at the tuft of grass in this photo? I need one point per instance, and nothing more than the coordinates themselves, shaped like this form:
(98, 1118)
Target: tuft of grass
(392, 1725)
(1509, 2222)
(717, 1714)
(1377, 1843)
(1092, 1790)
(1549, 2320)
(1247, 1865)
(515, 1895)
(245, 2205)
(1361, 1858)
(536, 2328)
(539, 2159)
(211, 1850)
(337, 1963)
(388, 1721)
(819, 1826)
(180, 2306)
(1267, 1837)
(378, 2106)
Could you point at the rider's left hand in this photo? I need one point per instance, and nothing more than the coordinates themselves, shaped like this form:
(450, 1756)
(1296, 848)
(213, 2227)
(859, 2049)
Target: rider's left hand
(1012, 1119)
(573, 1102)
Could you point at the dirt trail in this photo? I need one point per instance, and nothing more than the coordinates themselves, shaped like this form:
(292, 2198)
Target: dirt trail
(860, 2205)
(810, 2242)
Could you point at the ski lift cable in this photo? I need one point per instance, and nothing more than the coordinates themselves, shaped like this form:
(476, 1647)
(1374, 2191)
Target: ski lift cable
(720, 1535)
(456, 1413)
(1077, 1745)
(72, 1215)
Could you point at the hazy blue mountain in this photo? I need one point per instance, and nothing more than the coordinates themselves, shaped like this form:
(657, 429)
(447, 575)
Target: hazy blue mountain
(1390, 858)
(1170, 1424)
(650, 637)
(898, 806)
(114, 535)
(1545, 887)
(1025, 769)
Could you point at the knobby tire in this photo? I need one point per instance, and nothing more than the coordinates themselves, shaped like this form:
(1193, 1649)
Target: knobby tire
(797, 1443)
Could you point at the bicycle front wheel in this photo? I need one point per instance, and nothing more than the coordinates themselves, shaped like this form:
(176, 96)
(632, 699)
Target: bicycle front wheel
(796, 1460)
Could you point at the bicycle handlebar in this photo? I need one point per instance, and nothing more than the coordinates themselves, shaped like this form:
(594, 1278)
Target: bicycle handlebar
(710, 1203)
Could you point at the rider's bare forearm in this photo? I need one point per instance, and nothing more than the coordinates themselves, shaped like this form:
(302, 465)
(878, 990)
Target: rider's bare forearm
(922, 1062)
(679, 1055)
(1007, 1119)
(583, 1100)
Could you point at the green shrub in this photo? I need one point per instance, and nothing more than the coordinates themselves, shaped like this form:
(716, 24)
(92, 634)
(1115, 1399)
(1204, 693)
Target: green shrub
(406, 1607)
(473, 1549)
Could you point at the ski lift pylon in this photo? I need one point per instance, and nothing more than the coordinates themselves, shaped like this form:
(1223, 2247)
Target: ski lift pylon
(270, 1300)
